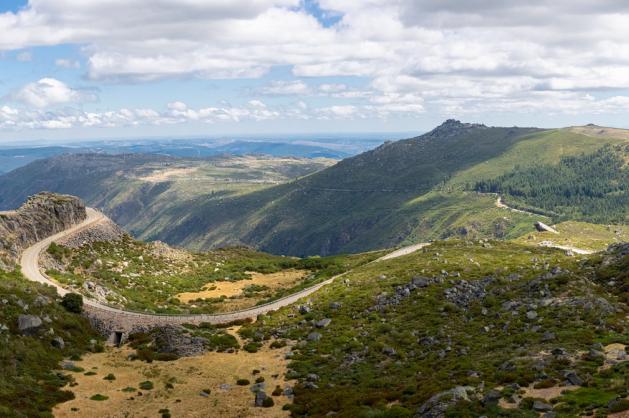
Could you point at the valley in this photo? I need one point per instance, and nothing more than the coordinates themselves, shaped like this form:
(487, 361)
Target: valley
(459, 303)
(402, 192)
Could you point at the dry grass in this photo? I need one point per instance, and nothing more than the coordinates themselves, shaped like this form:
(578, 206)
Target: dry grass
(160, 176)
(189, 376)
(273, 281)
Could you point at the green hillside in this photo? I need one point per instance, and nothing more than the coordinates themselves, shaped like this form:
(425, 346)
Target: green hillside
(592, 187)
(406, 191)
(504, 327)
(402, 192)
(31, 382)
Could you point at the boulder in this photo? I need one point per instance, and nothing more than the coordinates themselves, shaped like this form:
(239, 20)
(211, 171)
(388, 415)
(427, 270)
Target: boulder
(260, 397)
(58, 342)
(436, 406)
(542, 227)
(540, 406)
(28, 323)
(314, 336)
(323, 323)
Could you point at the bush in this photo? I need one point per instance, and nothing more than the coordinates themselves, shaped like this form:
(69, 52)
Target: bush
(268, 402)
(242, 382)
(146, 385)
(109, 377)
(72, 302)
(260, 379)
(99, 397)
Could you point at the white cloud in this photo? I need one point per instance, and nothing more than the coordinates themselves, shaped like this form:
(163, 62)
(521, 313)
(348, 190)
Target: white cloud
(447, 55)
(49, 91)
(286, 88)
(66, 63)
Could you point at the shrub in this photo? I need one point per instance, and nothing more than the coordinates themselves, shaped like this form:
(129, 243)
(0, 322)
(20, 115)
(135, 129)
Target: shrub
(146, 385)
(110, 377)
(268, 402)
(277, 391)
(251, 347)
(99, 397)
(242, 382)
(260, 379)
(72, 302)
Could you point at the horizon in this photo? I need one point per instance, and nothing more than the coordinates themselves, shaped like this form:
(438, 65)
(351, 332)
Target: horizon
(192, 69)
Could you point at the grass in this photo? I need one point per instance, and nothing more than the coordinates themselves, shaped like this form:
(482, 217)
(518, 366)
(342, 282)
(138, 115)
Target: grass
(31, 384)
(438, 342)
(587, 236)
(138, 278)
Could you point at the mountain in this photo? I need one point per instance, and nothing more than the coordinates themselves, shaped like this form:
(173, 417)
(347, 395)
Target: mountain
(143, 192)
(413, 190)
(400, 192)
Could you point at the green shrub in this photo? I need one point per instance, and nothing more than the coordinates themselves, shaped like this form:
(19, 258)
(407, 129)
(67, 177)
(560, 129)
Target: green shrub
(99, 397)
(72, 302)
(268, 402)
(242, 382)
(146, 385)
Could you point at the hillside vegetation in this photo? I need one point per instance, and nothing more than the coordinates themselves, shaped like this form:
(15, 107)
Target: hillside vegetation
(402, 192)
(462, 329)
(592, 187)
(143, 193)
(36, 334)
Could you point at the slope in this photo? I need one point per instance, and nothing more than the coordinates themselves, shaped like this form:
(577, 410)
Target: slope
(399, 192)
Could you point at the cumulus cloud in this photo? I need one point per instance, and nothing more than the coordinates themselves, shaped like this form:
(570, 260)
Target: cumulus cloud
(416, 55)
(49, 91)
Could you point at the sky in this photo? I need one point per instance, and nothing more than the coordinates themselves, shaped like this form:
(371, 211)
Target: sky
(73, 69)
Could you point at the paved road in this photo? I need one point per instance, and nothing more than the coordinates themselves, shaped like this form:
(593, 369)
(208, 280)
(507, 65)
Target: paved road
(126, 319)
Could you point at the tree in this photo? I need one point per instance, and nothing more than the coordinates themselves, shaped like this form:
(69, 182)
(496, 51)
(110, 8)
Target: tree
(73, 302)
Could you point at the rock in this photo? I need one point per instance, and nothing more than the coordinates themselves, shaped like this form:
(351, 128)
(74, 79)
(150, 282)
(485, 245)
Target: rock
(542, 227)
(531, 315)
(389, 351)
(312, 377)
(28, 323)
(335, 305)
(323, 323)
(42, 215)
(225, 386)
(58, 342)
(260, 397)
(559, 351)
(436, 406)
(548, 336)
(595, 355)
(67, 365)
(41, 301)
(288, 392)
(550, 414)
(492, 397)
(540, 406)
(304, 309)
(572, 378)
(3, 328)
(314, 336)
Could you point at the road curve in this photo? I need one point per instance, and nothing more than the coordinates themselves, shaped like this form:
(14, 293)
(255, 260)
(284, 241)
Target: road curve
(127, 319)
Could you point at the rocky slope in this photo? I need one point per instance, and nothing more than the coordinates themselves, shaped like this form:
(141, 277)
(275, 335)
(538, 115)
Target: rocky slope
(42, 215)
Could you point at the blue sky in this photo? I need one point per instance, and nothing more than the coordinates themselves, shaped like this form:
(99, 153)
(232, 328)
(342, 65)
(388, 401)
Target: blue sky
(71, 69)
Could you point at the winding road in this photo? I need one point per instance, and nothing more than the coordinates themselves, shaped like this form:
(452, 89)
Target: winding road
(116, 320)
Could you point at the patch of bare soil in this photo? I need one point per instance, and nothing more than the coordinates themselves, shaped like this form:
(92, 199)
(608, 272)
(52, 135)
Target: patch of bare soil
(189, 377)
(273, 281)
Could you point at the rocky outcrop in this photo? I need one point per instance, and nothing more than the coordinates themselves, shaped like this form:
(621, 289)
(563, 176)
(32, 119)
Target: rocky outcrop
(105, 231)
(42, 215)
(542, 227)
